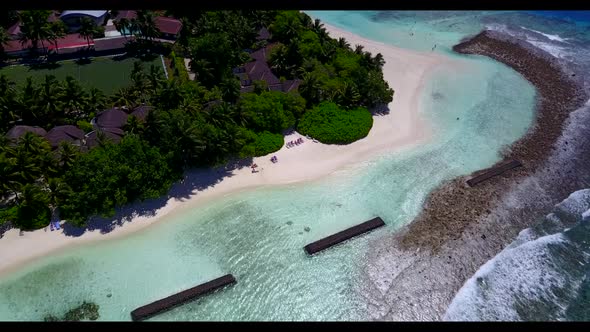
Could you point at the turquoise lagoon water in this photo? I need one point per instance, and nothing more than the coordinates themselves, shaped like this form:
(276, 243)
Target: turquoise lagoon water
(259, 235)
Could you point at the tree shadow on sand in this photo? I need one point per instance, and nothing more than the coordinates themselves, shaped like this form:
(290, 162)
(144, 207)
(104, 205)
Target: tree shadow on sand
(192, 183)
(380, 110)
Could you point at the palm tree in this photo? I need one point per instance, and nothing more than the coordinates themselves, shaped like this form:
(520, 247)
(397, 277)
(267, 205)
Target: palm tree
(133, 27)
(125, 97)
(10, 180)
(87, 29)
(58, 31)
(279, 59)
(96, 101)
(27, 101)
(73, 97)
(28, 155)
(67, 155)
(189, 140)
(122, 25)
(203, 70)
(343, 43)
(49, 101)
(33, 201)
(4, 39)
(34, 27)
(310, 88)
(318, 27)
(134, 126)
(379, 61)
(220, 115)
(8, 103)
(170, 95)
(358, 49)
(306, 20)
(57, 191)
(155, 78)
(147, 25)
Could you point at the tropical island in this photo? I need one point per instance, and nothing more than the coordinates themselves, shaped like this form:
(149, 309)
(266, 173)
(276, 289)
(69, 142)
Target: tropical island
(203, 89)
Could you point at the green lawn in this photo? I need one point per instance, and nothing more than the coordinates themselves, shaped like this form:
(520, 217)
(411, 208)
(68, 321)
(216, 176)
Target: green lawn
(106, 74)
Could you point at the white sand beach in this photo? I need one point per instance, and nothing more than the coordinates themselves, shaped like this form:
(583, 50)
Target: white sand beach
(405, 70)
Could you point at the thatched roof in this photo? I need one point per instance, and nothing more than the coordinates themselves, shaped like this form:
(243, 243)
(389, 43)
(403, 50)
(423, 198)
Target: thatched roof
(113, 134)
(17, 131)
(113, 118)
(66, 133)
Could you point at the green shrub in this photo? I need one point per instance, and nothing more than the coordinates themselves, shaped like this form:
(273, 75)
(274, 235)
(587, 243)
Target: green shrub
(8, 214)
(85, 126)
(261, 144)
(332, 125)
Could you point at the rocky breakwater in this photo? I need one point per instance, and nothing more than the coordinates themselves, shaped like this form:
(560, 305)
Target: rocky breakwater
(415, 273)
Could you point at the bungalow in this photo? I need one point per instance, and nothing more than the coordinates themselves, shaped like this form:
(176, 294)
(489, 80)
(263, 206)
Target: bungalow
(67, 133)
(114, 135)
(113, 118)
(72, 17)
(169, 27)
(17, 131)
(258, 70)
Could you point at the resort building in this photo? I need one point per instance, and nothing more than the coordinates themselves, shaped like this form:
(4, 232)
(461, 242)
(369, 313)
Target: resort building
(17, 131)
(67, 133)
(113, 118)
(72, 17)
(169, 27)
(259, 70)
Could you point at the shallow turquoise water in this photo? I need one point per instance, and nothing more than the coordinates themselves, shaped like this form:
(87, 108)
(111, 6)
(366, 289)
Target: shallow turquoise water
(259, 235)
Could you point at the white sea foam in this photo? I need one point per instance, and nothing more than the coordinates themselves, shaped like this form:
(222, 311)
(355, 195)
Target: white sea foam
(523, 271)
(516, 273)
(551, 37)
(556, 51)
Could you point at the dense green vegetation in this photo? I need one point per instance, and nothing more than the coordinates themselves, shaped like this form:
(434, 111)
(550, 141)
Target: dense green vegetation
(331, 125)
(261, 144)
(197, 123)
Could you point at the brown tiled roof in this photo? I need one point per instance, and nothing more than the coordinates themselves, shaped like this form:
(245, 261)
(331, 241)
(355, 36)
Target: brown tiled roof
(128, 14)
(70, 40)
(113, 118)
(17, 131)
(66, 133)
(168, 25)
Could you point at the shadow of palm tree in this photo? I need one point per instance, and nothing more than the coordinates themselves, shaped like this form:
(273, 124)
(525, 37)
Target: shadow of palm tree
(44, 65)
(192, 183)
(83, 61)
